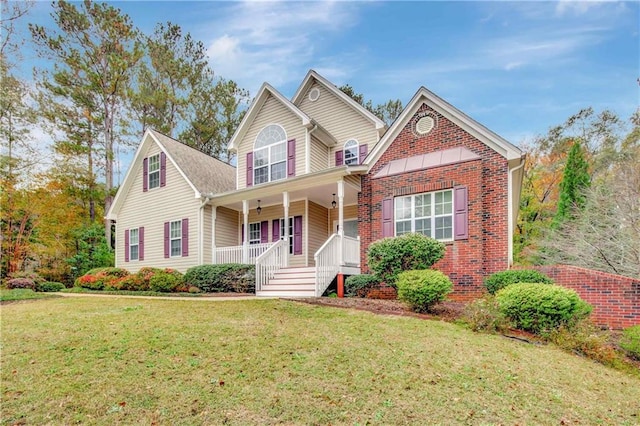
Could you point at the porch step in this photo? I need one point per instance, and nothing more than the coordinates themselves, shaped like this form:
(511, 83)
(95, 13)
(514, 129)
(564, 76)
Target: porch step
(291, 282)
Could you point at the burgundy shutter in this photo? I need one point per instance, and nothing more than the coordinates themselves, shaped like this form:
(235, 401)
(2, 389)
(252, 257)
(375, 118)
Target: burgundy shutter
(163, 169)
(339, 158)
(275, 230)
(264, 231)
(145, 175)
(126, 245)
(167, 240)
(363, 152)
(461, 213)
(249, 168)
(297, 235)
(387, 217)
(185, 237)
(291, 158)
(141, 243)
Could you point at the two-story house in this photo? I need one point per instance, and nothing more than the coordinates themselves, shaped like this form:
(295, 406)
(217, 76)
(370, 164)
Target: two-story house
(318, 178)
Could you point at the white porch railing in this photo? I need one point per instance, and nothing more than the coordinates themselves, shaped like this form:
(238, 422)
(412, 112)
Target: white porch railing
(273, 259)
(350, 251)
(234, 254)
(328, 260)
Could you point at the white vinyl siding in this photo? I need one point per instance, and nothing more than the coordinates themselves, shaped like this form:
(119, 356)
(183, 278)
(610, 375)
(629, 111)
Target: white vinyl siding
(318, 219)
(151, 210)
(319, 155)
(272, 112)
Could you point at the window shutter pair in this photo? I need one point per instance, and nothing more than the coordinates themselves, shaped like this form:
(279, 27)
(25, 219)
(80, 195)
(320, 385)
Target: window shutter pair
(145, 172)
(460, 214)
(140, 244)
(362, 153)
(185, 238)
(297, 233)
(291, 162)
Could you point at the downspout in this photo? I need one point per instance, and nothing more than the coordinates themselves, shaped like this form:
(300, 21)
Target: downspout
(205, 201)
(511, 220)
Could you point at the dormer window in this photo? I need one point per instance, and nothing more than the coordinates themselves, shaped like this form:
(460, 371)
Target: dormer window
(270, 155)
(351, 152)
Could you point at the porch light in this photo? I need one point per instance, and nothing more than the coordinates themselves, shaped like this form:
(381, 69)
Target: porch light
(259, 209)
(333, 203)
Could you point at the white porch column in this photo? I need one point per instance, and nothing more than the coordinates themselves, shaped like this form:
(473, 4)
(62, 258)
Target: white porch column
(340, 220)
(245, 244)
(214, 210)
(285, 204)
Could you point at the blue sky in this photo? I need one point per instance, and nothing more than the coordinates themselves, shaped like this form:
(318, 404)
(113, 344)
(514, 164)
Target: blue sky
(517, 67)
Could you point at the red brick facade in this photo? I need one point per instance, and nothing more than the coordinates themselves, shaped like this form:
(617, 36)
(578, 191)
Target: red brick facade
(615, 299)
(485, 251)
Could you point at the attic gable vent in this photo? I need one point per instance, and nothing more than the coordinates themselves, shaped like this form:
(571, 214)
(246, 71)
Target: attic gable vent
(314, 94)
(424, 125)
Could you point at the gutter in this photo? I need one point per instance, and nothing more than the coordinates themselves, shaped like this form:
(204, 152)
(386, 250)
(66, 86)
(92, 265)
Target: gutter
(510, 210)
(205, 200)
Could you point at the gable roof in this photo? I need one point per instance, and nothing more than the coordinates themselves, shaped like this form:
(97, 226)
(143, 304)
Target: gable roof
(204, 174)
(459, 154)
(314, 76)
(423, 95)
(263, 94)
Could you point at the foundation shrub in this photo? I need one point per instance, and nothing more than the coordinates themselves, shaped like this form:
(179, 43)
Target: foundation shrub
(50, 286)
(390, 256)
(500, 280)
(107, 278)
(24, 283)
(166, 281)
(584, 338)
(359, 285)
(630, 341)
(421, 289)
(484, 315)
(226, 277)
(134, 282)
(36, 278)
(541, 308)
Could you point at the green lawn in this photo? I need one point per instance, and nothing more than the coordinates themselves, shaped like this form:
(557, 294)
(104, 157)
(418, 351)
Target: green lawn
(23, 294)
(124, 361)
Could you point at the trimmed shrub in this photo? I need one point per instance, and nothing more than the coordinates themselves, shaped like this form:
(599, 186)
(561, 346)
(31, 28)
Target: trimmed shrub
(541, 308)
(226, 277)
(166, 281)
(500, 280)
(484, 315)
(27, 283)
(630, 341)
(390, 256)
(133, 282)
(36, 278)
(49, 286)
(102, 278)
(359, 285)
(423, 288)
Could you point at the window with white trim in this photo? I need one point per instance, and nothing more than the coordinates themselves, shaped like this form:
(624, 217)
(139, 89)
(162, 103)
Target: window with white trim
(430, 214)
(154, 171)
(134, 244)
(255, 233)
(270, 155)
(175, 237)
(284, 236)
(351, 152)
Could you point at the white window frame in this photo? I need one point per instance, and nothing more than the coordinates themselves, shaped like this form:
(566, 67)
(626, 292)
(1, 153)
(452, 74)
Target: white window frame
(175, 237)
(268, 144)
(255, 229)
(437, 215)
(351, 150)
(154, 171)
(134, 243)
(344, 222)
(284, 236)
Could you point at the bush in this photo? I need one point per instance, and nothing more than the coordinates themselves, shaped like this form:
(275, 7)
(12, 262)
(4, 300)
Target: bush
(49, 286)
(500, 280)
(101, 278)
(226, 277)
(133, 282)
(390, 256)
(36, 278)
(484, 315)
(422, 289)
(586, 339)
(166, 281)
(630, 341)
(540, 308)
(27, 283)
(359, 285)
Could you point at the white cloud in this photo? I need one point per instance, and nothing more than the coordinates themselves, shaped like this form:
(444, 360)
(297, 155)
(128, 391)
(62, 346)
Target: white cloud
(566, 7)
(276, 42)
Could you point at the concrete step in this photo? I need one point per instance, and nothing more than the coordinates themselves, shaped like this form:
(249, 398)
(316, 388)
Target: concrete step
(292, 281)
(285, 293)
(289, 286)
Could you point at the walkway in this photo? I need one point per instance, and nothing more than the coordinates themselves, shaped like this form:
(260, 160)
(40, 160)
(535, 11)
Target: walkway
(192, 298)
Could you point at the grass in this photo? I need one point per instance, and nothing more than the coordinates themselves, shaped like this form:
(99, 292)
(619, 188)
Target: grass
(131, 293)
(124, 361)
(18, 294)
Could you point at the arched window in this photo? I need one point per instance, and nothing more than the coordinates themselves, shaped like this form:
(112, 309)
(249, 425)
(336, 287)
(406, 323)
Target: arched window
(351, 152)
(270, 155)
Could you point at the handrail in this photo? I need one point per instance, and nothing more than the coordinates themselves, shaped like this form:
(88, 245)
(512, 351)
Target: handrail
(234, 254)
(327, 263)
(273, 259)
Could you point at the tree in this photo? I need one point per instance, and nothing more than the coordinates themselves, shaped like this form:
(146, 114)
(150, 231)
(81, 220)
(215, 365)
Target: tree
(575, 180)
(94, 50)
(386, 112)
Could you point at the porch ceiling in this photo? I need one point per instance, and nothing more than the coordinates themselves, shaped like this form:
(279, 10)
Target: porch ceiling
(317, 187)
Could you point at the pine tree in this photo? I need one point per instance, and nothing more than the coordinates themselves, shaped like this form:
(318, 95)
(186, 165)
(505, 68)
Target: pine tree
(575, 181)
